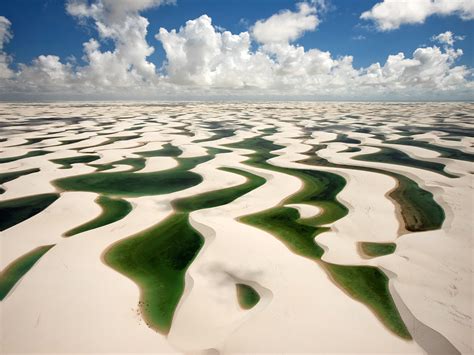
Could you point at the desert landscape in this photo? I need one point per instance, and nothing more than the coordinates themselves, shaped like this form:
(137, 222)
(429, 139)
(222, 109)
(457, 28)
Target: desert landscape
(261, 227)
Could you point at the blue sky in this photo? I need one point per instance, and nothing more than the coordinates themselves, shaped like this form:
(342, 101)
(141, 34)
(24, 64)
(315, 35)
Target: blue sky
(243, 47)
(44, 27)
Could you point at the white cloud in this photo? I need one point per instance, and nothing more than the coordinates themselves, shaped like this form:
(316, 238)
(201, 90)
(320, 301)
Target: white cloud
(391, 14)
(444, 38)
(430, 68)
(46, 73)
(447, 38)
(118, 20)
(199, 54)
(204, 60)
(286, 26)
(5, 37)
(110, 11)
(5, 33)
(124, 67)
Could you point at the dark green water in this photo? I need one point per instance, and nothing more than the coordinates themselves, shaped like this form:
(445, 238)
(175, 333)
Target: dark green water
(247, 296)
(366, 284)
(17, 210)
(30, 141)
(130, 184)
(218, 134)
(351, 150)
(284, 223)
(71, 141)
(168, 150)
(445, 152)
(369, 285)
(30, 154)
(133, 184)
(109, 140)
(136, 164)
(219, 197)
(12, 175)
(66, 163)
(377, 249)
(157, 259)
(344, 138)
(113, 210)
(396, 157)
(419, 210)
(10, 276)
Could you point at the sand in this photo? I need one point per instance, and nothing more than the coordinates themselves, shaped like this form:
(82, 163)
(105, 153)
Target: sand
(71, 302)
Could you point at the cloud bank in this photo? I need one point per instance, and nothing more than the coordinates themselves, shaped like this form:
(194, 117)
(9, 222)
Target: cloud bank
(204, 61)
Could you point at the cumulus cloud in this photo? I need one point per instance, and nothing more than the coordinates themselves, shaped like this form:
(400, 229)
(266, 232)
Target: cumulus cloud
(430, 68)
(200, 54)
(391, 14)
(124, 67)
(447, 38)
(46, 73)
(118, 20)
(203, 59)
(286, 26)
(5, 37)
(444, 38)
(5, 33)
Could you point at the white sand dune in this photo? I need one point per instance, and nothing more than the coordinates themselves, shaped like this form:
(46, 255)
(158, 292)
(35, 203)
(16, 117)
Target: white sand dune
(39, 182)
(452, 287)
(305, 210)
(158, 164)
(47, 227)
(71, 302)
(76, 294)
(236, 249)
(87, 304)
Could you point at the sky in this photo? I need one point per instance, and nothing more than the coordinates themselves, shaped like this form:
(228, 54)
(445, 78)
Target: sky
(231, 49)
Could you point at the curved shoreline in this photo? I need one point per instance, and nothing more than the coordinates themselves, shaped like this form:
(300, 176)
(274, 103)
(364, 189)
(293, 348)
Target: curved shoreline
(113, 209)
(177, 244)
(13, 272)
(415, 219)
(299, 237)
